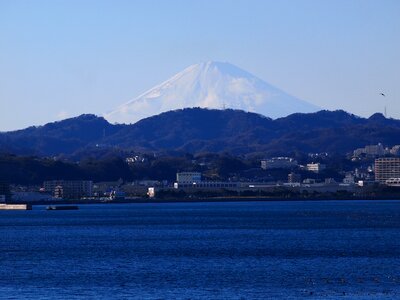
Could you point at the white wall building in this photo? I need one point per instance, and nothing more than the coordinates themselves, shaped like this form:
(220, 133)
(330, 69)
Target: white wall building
(315, 167)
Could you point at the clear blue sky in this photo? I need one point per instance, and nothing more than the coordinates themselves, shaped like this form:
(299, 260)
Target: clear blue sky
(65, 58)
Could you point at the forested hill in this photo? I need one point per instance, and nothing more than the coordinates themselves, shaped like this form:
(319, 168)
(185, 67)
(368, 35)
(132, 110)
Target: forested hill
(198, 130)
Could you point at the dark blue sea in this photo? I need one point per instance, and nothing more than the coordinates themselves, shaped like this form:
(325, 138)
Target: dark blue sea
(242, 250)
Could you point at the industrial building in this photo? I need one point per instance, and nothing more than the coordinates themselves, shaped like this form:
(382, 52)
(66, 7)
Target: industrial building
(188, 177)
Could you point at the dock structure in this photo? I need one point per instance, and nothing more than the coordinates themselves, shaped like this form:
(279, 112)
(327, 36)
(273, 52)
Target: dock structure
(15, 207)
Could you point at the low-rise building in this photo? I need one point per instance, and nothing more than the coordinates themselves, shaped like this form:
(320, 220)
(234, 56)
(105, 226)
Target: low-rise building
(315, 167)
(393, 182)
(188, 177)
(371, 150)
(151, 192)
(208, 185)
(294, 178)
(395, 150)
(358, 152)
(136, 159)
(330, 181)
(69, 189)
(278, 163)
(349, 179)
(375, 150)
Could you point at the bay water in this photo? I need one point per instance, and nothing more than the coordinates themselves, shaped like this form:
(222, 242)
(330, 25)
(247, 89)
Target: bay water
(224, 250)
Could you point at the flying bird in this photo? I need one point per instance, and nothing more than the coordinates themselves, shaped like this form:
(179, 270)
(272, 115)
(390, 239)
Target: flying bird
(382, 94)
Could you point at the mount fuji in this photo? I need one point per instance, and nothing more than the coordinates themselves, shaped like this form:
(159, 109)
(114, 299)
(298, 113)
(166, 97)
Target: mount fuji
(211, 85)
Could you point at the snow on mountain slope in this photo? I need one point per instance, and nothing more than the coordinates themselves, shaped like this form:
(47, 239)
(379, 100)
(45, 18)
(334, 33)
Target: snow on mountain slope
(211, 85)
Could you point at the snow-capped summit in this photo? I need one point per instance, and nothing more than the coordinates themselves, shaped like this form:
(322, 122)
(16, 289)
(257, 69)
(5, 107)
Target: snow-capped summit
(211, 85)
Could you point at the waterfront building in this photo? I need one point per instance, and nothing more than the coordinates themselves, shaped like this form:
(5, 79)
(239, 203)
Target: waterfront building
(188, 177)
(387, 168)
(208, 185)
(136, 159)
(69, 189)
(151, 192)
(117, 195)
(193, 180)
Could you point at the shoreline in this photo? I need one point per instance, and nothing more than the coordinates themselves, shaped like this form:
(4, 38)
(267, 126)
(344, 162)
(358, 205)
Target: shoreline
(201, 200)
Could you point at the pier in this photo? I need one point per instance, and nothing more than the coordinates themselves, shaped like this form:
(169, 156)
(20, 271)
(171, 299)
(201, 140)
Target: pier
(15, 207)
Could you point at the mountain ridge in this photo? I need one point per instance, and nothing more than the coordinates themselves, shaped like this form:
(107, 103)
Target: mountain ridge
(197, 130)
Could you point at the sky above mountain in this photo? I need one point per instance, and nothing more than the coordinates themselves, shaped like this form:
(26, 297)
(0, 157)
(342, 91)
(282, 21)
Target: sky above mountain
(67, 57)
(211, 85)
